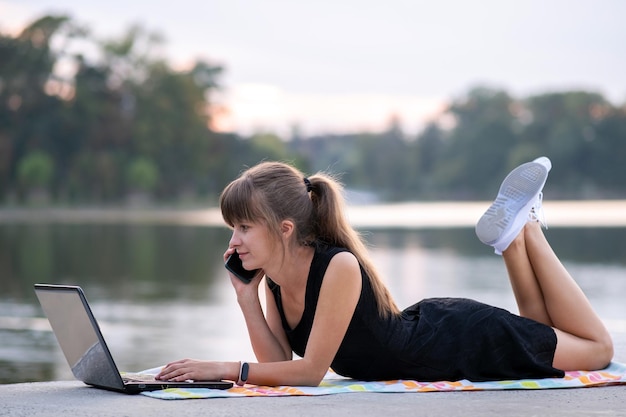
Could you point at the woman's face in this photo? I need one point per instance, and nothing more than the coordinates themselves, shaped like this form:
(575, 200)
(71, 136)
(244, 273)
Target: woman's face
(253, 243)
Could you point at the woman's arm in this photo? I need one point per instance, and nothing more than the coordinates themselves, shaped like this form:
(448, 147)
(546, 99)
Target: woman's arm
(267, 336)
(338, 298)
(272, 317)
(339, 295)
(267, 346)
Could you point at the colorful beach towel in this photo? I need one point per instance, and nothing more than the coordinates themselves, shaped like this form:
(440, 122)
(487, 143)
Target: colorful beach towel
(614, 374)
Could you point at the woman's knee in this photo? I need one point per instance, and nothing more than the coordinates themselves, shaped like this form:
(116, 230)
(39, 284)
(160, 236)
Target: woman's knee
(573, 353)
(605, 351)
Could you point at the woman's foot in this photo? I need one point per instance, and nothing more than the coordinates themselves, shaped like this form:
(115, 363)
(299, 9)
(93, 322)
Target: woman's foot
(513, 207)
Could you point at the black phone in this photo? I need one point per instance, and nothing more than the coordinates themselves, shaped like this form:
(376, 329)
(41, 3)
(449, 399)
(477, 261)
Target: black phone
(233, 264)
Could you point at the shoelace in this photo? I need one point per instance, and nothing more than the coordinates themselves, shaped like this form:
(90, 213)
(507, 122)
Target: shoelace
(536, 212)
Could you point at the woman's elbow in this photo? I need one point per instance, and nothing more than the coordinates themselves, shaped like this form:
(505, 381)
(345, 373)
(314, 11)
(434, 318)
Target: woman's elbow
(312, 381)
(314, 376)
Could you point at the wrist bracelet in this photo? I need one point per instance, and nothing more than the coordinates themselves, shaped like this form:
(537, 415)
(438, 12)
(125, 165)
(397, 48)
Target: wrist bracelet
(243, 373)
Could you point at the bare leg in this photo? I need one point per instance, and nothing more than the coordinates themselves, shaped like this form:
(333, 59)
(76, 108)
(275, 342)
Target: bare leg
(526, 289)
(583, 341)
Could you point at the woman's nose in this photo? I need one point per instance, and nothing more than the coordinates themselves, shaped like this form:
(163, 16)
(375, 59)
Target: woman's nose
(234, 240)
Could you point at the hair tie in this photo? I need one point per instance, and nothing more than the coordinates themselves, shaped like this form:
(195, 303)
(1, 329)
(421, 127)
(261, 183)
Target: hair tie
(309, 186)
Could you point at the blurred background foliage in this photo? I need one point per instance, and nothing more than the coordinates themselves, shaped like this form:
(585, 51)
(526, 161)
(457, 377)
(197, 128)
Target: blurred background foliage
(85, 121)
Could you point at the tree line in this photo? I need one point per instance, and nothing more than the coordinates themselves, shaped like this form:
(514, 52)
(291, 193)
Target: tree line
(91, 121)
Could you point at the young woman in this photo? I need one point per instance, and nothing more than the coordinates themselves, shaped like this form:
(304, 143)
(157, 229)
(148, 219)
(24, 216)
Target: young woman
(327, 303)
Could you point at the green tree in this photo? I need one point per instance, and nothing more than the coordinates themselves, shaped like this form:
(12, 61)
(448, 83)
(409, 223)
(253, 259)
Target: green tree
(426, 155)
(609, 144)
(381, 163)
(171, 126)
(27, 111)
(142, 174)
(35, 170)
(564, 126)
(485, 130)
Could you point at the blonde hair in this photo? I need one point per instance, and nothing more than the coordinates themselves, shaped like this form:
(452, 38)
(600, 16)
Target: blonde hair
(274, 191)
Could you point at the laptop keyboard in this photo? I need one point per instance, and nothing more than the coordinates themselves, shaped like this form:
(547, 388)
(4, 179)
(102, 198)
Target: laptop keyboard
(131, 377)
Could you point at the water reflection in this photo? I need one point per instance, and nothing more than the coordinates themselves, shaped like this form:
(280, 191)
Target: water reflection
(160, 292)
(121, 261)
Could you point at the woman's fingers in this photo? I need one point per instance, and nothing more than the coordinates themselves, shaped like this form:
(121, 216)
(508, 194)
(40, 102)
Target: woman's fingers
(173, 370)
(189, 369)
(228, 252)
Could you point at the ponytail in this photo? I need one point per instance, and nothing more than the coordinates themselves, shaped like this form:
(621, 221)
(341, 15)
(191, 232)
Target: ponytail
(332, 227)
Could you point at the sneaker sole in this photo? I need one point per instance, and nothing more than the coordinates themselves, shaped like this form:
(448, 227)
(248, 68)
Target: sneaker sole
(517, 192)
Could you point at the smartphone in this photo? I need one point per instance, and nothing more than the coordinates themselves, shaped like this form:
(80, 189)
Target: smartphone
(233, 264)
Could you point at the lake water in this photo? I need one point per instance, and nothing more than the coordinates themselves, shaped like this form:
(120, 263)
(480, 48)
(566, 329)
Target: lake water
(160, 292)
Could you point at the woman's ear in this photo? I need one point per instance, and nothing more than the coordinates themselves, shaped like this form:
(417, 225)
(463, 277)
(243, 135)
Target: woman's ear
(286, 228)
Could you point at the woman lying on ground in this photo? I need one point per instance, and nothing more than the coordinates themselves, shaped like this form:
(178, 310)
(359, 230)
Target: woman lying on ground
(327, 303)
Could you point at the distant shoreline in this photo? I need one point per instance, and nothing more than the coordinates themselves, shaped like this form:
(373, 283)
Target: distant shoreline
(580, 213)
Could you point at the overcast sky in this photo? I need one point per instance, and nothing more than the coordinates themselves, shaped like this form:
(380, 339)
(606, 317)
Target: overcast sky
(345, 65)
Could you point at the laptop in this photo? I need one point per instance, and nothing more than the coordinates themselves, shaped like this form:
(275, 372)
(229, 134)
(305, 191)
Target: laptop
(83, 345)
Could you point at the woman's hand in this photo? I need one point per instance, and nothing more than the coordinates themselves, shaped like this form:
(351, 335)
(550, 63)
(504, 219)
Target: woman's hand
(191, 369)
(241, 287)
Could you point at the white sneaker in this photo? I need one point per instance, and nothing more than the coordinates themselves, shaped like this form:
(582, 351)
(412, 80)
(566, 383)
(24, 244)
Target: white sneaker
(536, 212)
(519, 193)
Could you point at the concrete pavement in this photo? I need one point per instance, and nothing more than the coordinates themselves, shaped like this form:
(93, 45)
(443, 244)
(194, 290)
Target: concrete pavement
(73, 398)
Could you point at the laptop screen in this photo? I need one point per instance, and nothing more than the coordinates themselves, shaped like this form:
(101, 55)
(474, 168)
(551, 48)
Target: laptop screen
(78, 335)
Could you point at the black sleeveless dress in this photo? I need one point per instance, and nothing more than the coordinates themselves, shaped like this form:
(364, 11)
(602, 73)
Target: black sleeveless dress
(435, 339)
